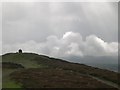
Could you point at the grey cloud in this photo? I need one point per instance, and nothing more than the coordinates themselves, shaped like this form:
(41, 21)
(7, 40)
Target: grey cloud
(23, 22)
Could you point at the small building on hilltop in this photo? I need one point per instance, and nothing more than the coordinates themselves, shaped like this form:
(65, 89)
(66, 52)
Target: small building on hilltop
(20, 51)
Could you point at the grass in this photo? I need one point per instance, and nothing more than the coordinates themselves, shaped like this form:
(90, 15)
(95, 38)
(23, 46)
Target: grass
(24, 59)
(55, 78)
(39, 70)
(11, 84)
(7, 82)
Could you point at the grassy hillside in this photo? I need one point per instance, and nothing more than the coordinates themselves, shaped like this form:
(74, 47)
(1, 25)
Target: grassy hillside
(29, 70)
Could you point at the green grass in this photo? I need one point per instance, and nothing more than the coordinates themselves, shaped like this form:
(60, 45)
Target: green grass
(10, 84)
(25, 59)
(7, 82)
(35, 62)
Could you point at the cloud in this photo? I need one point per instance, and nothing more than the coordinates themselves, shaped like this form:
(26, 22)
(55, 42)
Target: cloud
(0, 47)
(37, 20)
(95, 45)
(70, 44)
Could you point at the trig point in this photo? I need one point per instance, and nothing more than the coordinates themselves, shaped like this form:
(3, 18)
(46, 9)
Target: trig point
(20, 51)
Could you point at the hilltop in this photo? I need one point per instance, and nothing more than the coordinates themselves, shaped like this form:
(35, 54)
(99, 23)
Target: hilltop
(30, 70)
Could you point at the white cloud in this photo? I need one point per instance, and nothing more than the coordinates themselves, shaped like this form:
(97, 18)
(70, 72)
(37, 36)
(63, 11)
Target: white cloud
(96, 46)
(70, 44)
(74, 50)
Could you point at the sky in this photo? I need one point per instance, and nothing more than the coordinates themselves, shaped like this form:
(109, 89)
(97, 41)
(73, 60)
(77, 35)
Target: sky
(0, 27)
(61, 29)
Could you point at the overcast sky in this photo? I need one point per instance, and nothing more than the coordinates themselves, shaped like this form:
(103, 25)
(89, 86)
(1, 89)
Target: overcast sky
(61, 29)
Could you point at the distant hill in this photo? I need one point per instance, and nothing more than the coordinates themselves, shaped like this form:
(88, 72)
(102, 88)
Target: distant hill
(30, 70)
(103, 62)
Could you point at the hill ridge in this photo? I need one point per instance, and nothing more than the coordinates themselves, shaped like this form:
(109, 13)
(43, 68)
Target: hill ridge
(38, 62)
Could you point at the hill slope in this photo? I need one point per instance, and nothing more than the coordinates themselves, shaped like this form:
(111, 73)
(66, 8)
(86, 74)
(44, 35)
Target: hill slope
(29, 70)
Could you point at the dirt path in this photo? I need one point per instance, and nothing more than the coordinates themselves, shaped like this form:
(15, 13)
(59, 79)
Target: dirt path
(105, 81)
